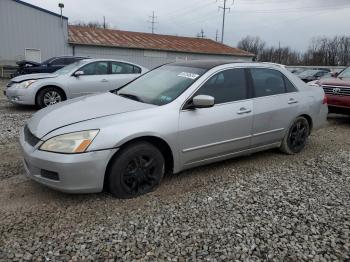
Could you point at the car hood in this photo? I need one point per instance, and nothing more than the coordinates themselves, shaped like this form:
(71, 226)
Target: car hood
(335, 82)
(79, 110)
(27, 62)
(32, 76)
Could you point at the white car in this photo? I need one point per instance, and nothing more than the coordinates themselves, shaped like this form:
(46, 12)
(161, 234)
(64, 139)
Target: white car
(81, 78)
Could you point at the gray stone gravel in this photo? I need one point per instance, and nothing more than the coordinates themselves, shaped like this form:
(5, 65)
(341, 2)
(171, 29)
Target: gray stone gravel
(266, 206)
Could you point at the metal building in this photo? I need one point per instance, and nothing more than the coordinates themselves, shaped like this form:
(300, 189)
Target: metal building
(32, 33)
(149, 50)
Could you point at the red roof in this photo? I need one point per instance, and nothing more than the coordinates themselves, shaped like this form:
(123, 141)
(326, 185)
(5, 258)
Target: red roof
(125, 39)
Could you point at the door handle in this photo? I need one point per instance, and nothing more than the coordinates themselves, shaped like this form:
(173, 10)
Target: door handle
(292, 101)
(104, 80)
(244, 110)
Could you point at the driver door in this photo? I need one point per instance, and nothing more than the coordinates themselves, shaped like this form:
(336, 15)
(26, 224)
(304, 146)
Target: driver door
(210, 134)
(93, 80)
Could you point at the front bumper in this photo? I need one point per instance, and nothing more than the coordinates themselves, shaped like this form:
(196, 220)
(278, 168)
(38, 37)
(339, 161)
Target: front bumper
(338, 101)
(77, 173)
(20, 96)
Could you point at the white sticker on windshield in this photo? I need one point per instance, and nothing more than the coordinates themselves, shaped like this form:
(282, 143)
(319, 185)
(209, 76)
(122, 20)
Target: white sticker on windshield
(188, 75)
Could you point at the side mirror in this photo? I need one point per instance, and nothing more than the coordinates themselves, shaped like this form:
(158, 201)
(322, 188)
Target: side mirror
(203, 101)
(78, 73)
(335, 74)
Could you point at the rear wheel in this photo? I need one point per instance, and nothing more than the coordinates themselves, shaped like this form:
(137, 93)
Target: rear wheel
(137, 170)
(49, 96)
(297, 136)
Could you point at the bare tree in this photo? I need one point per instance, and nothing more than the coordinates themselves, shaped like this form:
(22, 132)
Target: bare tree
(92, 24)
(252, 44)
(322, 51)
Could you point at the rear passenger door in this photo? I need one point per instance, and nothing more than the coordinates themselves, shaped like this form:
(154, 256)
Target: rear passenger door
(275, 105)
(122, 73)
(210, 134)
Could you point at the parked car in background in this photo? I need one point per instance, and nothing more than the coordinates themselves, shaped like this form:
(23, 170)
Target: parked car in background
(175, 117)
(311, 75)
(49, 66)
(328, 75)
(337, 90)
(81, 78)
(297, 71)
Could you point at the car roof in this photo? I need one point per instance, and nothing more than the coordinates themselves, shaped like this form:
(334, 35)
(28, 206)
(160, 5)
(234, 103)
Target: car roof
(204, 64)
(209, 64)
(89, 59)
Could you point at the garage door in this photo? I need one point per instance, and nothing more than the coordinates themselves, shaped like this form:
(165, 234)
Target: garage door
(33, 55)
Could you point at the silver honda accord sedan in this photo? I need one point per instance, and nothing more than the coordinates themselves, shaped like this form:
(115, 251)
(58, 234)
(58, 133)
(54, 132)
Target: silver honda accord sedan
(175, 117)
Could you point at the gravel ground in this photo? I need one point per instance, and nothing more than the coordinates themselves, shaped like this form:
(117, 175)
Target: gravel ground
(267, 206)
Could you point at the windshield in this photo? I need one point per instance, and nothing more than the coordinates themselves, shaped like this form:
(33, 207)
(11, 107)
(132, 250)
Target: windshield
(48, 60)
(162, 85)
(67, 69)
(345, 73)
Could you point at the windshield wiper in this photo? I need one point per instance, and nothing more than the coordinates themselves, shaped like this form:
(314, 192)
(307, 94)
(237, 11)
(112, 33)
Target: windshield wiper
(130, 96)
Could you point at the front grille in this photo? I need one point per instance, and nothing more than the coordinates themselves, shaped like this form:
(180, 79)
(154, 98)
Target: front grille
(29, 137)
(337, 90)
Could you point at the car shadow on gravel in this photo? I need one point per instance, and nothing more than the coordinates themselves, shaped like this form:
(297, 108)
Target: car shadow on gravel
(339, 119)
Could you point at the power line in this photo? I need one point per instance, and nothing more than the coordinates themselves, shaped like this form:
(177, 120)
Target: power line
(224, 9)
(153, 22)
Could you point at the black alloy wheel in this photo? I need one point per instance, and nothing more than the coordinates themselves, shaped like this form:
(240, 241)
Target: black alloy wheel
(297, 136)
(136, 170)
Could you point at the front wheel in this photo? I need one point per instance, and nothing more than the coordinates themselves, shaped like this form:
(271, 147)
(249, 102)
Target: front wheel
(136, 170)
(296, 137)
(49, 96)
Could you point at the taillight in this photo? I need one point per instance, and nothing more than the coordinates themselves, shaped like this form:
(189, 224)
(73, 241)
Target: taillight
(325, 100)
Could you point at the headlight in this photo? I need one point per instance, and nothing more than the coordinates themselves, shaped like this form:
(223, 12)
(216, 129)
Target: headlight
(25, 84)
(70, 143)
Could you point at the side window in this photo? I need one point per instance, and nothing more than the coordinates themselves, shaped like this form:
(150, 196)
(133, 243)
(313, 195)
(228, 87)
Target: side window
(121, 68)
(137, 70)
(96, 68)
(267, 82)
(226, 86)
(290, 88)
(58, 61)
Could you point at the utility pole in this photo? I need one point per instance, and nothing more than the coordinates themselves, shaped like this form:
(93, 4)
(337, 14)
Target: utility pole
(279, 52)
(217, 35)
(104, 22)
(153, 22)
(224, 9)
(201, 34)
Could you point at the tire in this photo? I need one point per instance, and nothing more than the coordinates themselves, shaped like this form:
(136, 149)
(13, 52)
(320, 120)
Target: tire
(297, 136)
(49, 96)
(136, 170)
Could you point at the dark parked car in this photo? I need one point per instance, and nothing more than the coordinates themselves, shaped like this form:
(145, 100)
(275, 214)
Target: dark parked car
(311, 75)
(49, 66)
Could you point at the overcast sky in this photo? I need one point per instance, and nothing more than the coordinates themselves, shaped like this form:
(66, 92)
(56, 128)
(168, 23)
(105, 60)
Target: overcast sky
(293, 22)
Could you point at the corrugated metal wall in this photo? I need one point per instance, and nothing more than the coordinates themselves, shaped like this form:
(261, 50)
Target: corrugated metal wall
(148, 59)
(23, 27)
